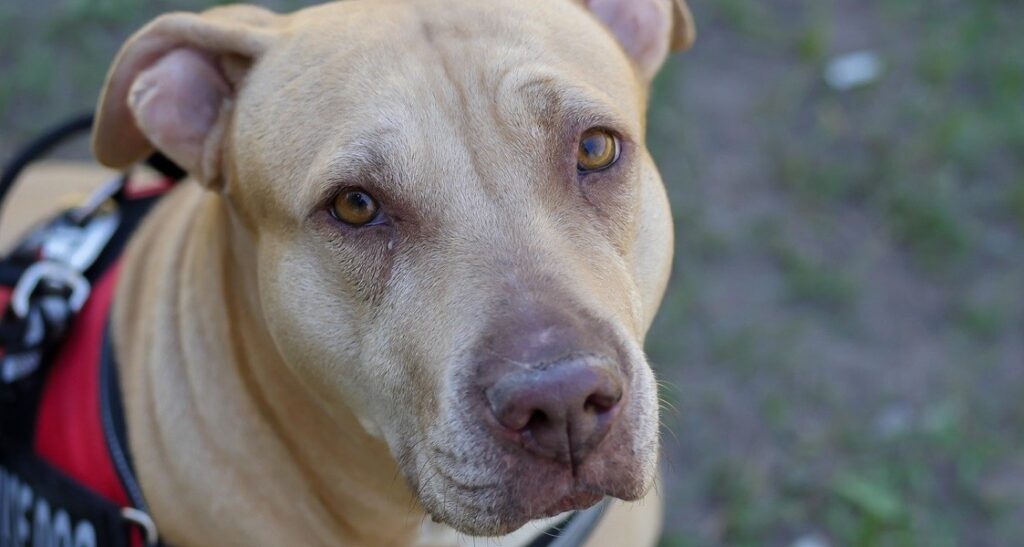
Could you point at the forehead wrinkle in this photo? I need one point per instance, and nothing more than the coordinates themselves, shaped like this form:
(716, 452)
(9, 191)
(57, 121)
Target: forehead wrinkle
(460, 86)
(552, 98)
(371, 159)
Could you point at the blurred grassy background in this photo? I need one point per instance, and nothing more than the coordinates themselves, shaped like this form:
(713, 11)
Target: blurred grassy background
(841, 345)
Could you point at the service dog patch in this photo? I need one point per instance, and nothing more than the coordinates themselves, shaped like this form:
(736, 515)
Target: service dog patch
(41, 507)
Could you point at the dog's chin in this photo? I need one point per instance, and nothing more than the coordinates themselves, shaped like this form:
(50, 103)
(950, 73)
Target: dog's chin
(539, 491)
(490, 520)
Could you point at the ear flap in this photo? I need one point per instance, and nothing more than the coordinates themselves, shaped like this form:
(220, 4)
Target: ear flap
(684, 28)
(647, 29)
(170, 88)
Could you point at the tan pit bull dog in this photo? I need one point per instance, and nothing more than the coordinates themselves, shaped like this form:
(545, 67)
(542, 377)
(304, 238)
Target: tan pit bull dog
(413, 278)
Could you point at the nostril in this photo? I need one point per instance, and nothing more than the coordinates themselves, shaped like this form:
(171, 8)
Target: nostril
(599, 403)
(538, 419)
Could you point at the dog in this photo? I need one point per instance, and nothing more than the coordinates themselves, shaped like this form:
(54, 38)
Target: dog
(404, 300)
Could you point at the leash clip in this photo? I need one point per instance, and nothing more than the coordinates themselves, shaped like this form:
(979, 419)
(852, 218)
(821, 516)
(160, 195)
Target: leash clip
(80, 242)
(68, 249)
(79, 246)
(100, 196)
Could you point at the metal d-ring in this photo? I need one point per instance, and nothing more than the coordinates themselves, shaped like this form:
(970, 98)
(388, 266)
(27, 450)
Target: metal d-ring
(54, 273)
(144, 521)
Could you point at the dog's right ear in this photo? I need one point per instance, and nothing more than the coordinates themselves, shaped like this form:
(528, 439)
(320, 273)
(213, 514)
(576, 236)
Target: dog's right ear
(647, 29)
(172, 86)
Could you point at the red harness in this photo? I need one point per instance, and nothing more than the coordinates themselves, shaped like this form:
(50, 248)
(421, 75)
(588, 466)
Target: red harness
(65, 471)
(68, 431)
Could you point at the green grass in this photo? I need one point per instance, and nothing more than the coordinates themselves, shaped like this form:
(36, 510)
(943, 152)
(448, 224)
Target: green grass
(736, 490)
(929, 166)
(929, 228)
(7, 27)
(984, 322)
(812, 41)
(941, 58)
(1015, 203)
(806, 280)
(812, 282)
(747, 17)
(77, 13)
(31, 75)
(812, 179)
(878, 503)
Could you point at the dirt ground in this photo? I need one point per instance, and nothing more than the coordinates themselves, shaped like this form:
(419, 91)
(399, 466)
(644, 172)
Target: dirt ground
(842, 346)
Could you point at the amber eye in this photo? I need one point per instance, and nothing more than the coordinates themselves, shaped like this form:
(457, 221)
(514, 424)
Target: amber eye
(354, 207)
(599, 149)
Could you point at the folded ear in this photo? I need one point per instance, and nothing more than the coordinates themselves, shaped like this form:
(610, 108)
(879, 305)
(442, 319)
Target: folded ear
(172, 86)
(647, 29)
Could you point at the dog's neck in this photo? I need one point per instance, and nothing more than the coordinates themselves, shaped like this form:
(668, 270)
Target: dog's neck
(228, 443)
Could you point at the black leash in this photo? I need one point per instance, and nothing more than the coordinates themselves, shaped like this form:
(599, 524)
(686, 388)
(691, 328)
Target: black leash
(40, 147)
(57, 135)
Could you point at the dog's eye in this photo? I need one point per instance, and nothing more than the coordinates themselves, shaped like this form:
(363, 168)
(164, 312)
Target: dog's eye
(598, 150)
(355, 208)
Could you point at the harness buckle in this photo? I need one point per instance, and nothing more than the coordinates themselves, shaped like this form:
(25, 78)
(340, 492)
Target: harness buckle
(54, 274)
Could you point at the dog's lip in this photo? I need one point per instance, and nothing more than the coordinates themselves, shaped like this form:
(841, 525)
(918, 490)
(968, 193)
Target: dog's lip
(575, 501)
(570, 494)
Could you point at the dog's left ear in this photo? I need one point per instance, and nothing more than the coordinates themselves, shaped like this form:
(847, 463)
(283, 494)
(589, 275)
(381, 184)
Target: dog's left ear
(647, 29)
(173, 85)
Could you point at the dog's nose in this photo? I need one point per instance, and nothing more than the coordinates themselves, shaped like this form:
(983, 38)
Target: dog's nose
(561, 411)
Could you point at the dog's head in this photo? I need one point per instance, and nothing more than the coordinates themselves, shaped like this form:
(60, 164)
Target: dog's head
(458, 231)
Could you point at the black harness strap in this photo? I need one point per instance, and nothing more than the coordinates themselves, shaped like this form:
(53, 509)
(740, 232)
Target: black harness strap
(112, 419)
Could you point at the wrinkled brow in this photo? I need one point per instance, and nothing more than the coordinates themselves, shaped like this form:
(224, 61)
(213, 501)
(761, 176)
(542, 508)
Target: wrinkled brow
(563, 106)
(370, 161)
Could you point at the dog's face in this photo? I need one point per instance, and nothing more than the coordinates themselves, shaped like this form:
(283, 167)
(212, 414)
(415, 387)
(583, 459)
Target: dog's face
(460, 235)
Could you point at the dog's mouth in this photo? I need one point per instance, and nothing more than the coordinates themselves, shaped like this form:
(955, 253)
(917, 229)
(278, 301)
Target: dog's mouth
(518, 443)
(573, 502)
(493, 492)
(500, 507)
